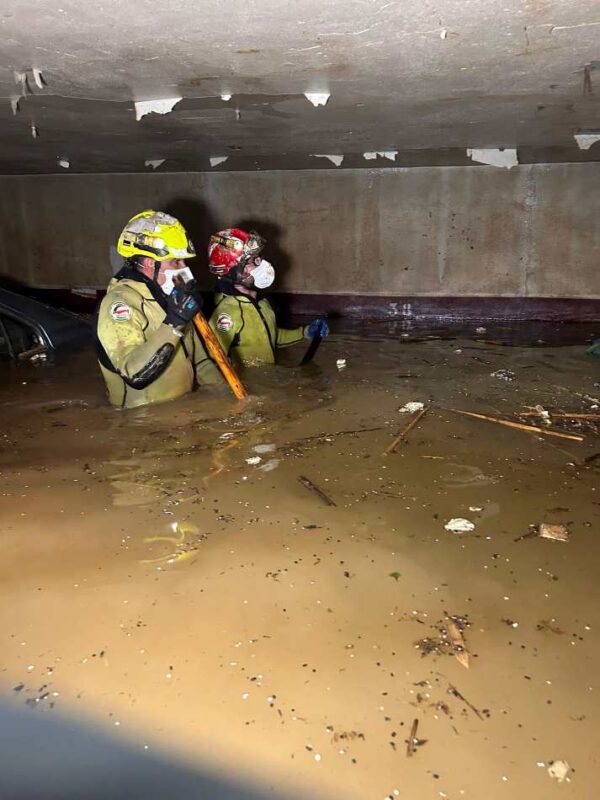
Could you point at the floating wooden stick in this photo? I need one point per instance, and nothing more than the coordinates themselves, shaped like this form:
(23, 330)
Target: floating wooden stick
(458, 642)
(319, 492)
(519, 426)
(561, 415)
(410, 747)
(391, 447)
(454, 691)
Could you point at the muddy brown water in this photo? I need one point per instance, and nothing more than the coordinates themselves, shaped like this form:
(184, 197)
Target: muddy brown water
(161, 585)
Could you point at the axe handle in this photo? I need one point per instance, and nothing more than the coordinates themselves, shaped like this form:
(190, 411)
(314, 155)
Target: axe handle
(216, 352)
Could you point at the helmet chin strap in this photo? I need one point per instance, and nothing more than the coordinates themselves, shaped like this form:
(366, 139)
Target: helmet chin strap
(135, 261)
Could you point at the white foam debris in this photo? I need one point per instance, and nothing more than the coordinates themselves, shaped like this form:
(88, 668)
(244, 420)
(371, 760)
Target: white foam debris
(559, 770)
(389, 154)
(161, 106)
(317, 98)
(226, 98)
(443, 33)
(586, 140)
(264, 448)
(269, 465)
(253, 460)
(64, 163)
(341, 363)
(216, 160)
(335, 159)
(503, 374)
(411, 407)
(38, 77)
(34, 131)
(459, 525)
(154, 162)
(495, 157)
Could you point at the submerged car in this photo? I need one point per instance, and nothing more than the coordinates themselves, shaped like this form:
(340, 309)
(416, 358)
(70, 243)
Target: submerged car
(29, 328)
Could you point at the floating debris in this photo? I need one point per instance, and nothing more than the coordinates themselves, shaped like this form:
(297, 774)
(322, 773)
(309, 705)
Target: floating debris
(449, 640)
(458, 643)
(269, 465)
(548, 625)
(503, 374)
(459, 525)
(412, 743)
(519, 426)
(314, 488)
(416, 419)
(264, 448)
(557, 533)
(411, 407)
(559, 770)
(455, 693)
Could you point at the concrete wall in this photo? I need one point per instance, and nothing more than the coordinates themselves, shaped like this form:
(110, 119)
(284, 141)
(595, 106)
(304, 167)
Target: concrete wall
(532, 231)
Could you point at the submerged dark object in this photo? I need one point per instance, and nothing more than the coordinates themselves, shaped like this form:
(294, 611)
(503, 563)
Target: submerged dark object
(26, 324)
(594, 349)
(311, 350)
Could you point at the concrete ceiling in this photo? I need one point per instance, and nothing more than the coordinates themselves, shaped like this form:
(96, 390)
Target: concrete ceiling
(425, 78)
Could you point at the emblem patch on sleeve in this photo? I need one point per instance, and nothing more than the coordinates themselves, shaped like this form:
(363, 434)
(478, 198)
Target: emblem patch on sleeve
(120, 311)
(224, 322)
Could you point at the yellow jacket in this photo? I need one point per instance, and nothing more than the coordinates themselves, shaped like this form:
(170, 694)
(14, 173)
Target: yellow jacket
(143, 360)
(248, 330)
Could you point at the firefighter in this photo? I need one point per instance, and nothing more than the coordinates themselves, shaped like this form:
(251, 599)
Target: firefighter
(147, 346)
(243, 318)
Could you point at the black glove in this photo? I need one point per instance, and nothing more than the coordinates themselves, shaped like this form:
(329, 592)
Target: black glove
(183, 304)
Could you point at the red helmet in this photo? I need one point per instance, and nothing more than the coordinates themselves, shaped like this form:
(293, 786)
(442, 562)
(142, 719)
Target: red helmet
(232, 248)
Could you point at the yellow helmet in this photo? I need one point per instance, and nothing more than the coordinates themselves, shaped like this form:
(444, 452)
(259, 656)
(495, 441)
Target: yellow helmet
(156, 235)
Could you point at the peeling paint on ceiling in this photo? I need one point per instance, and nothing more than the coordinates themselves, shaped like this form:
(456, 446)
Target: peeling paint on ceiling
(586, 140)
(424, 81)
(162, 106)
(494, 157)
(336, 160)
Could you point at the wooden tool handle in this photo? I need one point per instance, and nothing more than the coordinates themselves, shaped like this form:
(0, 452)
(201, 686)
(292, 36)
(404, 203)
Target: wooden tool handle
(216, 352)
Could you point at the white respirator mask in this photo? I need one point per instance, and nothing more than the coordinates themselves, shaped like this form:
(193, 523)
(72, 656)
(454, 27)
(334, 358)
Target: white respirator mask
(263, 274)
(170, 274)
